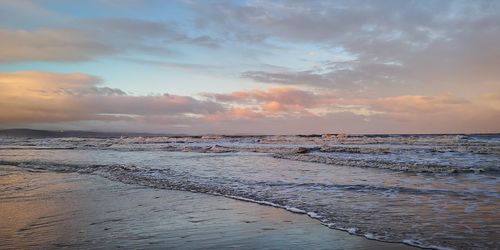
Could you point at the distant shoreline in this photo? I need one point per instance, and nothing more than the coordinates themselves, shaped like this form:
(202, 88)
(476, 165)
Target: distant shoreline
(23, 132)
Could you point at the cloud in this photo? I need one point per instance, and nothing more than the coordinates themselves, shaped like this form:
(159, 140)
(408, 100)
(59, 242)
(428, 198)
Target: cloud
(353, 74)
(415, 104)
(330, 66)
(348, 122)
(63, 100)
(35, 97)
(172, 65)
(50, 45)
(44, 84)
(306, 111)
(277, 100)
(205, 41)
(289, 78)
(87, 39)
(234, 114)
(285, 95)
(25, 13)
(392, 45)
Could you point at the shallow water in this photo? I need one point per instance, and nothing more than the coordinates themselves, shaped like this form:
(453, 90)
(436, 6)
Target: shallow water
(69, 210)
(431, 191)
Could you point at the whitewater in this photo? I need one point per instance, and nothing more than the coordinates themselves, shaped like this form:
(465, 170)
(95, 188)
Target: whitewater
(430, 191)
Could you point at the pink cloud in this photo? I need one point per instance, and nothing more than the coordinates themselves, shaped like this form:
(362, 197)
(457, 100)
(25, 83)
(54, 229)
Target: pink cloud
(273, 107)
(277, 100)
(29, 98)
(234, 114)
(412, 104)
(283, 95)
(53, 97)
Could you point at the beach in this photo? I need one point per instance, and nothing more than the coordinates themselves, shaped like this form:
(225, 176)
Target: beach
(42, 209)
(250, 124)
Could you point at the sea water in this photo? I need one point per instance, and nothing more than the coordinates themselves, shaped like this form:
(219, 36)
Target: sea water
(435, 191)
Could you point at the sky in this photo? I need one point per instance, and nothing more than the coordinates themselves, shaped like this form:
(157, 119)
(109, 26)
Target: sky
(251, 66)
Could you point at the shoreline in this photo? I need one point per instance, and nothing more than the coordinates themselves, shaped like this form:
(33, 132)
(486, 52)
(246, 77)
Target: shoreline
(93, 211)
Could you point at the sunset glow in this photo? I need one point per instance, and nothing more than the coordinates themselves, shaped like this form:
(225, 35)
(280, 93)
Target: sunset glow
(257, 67)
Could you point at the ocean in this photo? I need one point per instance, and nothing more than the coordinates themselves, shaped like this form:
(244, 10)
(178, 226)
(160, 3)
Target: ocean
(430, 191)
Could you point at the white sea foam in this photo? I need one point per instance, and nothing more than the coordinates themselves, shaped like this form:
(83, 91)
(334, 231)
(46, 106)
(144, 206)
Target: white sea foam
(370, 236)
(314, 215)
(354, 191)
(295, 210)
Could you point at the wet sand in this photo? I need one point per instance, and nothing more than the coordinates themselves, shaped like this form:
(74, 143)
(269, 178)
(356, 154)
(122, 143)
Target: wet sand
(49, 210)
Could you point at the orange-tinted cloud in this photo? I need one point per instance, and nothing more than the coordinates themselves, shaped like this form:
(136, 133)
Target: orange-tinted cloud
(275, 100)
(414, 104)
(273, 107)
(233, 114)
(283, 95)
(30, 98)
(52, 97)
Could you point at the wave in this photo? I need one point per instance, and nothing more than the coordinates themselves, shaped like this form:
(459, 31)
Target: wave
(408, 153)
(156, 173)
(423, 160)
(324, 202)
(391, 165)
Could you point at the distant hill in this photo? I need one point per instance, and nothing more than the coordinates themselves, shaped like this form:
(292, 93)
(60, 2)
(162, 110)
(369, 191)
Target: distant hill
(36, 133)
(22, 132)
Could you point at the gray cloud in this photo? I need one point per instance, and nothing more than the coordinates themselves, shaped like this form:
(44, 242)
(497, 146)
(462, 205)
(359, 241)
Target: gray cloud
(173, 65)
(346, 75)
(86, 39)
(394, 43)
(50, 45)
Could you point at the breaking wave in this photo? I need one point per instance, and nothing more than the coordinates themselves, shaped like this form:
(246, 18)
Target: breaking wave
(432, 191)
